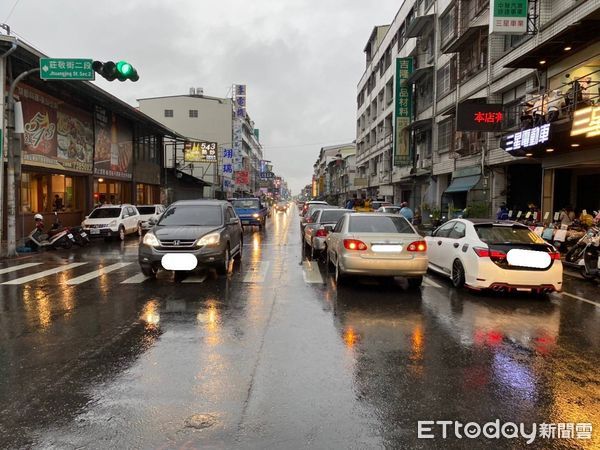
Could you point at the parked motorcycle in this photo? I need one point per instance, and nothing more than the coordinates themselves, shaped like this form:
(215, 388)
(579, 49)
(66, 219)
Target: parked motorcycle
(574, 257)
(80, 237)
(62, 239)
(591, 259)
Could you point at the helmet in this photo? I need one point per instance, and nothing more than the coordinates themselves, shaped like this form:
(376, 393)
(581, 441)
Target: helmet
(38, 217)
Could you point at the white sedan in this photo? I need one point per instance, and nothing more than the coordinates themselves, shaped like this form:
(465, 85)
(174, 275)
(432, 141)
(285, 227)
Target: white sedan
(503, 256)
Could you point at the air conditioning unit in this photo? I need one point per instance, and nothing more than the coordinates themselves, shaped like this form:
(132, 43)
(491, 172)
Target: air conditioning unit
(199, 91)
(192, 91)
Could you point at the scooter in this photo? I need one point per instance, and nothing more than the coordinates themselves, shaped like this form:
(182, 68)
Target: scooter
(80, 237)
(574, 257)
(61, 239)
(591, 259)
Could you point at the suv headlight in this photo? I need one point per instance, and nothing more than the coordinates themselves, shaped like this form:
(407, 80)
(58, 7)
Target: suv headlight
(113, 223)
(255, 215)
(209, 239)
(151, 240)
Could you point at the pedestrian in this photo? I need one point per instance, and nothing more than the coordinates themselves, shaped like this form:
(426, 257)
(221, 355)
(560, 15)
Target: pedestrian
(406, 211)
(565, 217)
(58, 203)
(502, 213)
(350, 203)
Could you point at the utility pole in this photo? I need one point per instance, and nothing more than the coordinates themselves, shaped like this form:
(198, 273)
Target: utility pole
(11, 199)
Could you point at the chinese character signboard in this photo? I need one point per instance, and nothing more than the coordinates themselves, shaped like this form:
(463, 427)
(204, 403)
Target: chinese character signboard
(240, 100)
(586, 121)
(479, 117)
(56, 135)
(402, 111)
(200, 152)
(227, 169)
(242, 177)
(508, 16)
(237, 145)
(521, 140)
(114, 145)
(66, 69)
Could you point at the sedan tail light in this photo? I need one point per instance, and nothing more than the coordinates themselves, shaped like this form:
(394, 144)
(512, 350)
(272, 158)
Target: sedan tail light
(354, 244)
(494, 255)
(554, 255)
(417, 246)
(321, 233)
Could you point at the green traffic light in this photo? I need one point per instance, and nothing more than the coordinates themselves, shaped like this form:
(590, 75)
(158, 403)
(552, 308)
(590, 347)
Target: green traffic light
(124, 68)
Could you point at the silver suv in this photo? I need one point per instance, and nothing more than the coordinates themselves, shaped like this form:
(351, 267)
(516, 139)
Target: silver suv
(192, 233)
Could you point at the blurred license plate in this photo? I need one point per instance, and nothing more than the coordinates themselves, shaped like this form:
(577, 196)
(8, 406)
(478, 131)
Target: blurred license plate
(83, 234)
(245, 221)
(70, 236)
(95, 231)
(386, 248)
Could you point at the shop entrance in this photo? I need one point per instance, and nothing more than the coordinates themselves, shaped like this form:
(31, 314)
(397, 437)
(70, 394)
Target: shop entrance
(588, 192)
(111, 192)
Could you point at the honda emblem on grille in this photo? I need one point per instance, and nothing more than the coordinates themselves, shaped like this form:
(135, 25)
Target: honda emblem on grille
(176, 243)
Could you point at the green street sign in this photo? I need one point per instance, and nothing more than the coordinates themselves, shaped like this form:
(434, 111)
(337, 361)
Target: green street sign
(66, 69)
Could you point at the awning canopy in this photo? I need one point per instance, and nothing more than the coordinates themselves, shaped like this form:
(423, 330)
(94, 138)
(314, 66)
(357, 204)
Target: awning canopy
(419, 73)
(463, 184)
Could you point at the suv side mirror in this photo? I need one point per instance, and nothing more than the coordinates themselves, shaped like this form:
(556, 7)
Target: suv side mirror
(233, 221)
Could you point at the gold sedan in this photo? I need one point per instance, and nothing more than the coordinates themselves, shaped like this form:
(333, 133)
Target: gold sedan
(376, 244)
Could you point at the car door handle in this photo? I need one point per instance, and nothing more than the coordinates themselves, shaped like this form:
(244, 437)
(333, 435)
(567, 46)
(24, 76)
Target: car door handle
(439, 242)
(456, 244)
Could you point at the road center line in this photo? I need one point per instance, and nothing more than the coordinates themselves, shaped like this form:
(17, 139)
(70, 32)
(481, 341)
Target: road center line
(311, 273)
(45, 273)
(582, 299)
(257, 273)
(97, 273)
(15, 268)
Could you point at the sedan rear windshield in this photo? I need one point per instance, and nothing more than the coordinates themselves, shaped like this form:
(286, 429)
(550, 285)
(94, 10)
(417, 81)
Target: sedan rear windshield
(146, 210)
(502, 234)
(245, 204)
(199, 216)
(332, 215)
(381, 224)
(105, 213)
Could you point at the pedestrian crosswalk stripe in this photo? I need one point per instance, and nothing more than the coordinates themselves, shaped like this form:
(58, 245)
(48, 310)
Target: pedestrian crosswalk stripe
(311, 273)
(15, 268)
(430, 282)
(257, 272)
(195, 279)
(45, 273)
(139, 278)
(97, 273)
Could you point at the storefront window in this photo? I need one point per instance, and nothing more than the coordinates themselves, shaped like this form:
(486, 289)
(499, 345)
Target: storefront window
(47, 193)
(111, 192)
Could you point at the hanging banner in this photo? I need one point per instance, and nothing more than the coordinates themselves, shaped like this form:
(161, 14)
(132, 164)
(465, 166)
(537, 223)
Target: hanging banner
(240, 101)
(402, 112)
(508, 16)
(237, 145)
(114, 145)
(56, 135)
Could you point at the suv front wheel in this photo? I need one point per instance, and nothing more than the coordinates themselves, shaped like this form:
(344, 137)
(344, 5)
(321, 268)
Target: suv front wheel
(223, 267)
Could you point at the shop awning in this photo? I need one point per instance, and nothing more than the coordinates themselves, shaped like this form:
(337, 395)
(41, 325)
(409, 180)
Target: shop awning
(463, 184)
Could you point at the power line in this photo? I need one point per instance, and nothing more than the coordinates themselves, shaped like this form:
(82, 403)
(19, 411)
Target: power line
(12, 10)
(308, 144)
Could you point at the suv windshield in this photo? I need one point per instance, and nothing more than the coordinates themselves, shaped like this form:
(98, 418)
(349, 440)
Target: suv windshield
(200, 216)
(382, 224)
(145, 210)
(499, 234)
(251, 203)
(105, 213)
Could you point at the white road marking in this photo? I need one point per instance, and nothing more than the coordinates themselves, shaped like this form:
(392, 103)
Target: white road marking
(196, 279)
(139, 278)
(311, 273)
(45, 273)
(257, 273)
(15, 268)
(96, 273)
(429, 282)
(582, 299)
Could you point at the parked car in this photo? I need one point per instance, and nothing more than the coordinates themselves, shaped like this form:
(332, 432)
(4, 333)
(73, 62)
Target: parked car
(376, 244)
(503, 256)
(390, 209)
(311, 202)
(148, 212)
(111, 221)
(307, 216)
(316, 231)
(192, 233)
(378, 204)
(251, 211)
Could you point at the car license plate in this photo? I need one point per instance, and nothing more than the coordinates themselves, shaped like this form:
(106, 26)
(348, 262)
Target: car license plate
(83, 234)
(95, 231)
(528, 258)
(179, 261)
(245, 221)
(386, 248)
(70, 236)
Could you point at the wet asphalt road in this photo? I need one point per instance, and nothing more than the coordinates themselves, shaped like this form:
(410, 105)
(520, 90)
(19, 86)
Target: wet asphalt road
(274, 356)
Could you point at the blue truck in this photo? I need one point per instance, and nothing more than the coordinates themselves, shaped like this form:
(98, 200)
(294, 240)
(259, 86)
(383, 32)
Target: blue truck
(251, 211)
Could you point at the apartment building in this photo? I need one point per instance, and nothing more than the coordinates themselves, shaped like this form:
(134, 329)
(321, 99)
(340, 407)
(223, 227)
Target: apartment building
(456, 61)
(201, 117)
(329, 180)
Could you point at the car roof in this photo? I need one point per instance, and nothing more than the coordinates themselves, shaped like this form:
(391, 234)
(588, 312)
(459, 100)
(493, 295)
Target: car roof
(114, 206)
(154, 204)
(246, 198)
(491, 222)
(200, 202)
(321, 202)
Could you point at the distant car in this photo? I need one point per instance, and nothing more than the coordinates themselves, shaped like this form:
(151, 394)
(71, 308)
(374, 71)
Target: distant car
(311, 202)
(281, 207)
(251, 211)
(499, 255)
(378, 204)
(376, 244)
(316, 231)
(192, 233)
(389, 209)
(149, 213)
(109, 221)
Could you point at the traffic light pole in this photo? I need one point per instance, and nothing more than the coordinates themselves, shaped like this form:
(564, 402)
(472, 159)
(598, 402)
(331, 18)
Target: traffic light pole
(11, 198)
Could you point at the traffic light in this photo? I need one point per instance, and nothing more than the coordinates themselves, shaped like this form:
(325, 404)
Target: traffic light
(121, 71)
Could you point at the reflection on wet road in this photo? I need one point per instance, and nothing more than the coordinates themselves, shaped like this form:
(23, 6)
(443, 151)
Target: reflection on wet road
(93, 355)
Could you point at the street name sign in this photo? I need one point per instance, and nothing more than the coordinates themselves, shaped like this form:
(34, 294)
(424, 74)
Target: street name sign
(66, 69)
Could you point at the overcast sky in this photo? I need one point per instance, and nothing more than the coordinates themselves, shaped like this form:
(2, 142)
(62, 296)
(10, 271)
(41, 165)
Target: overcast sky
(301, 59)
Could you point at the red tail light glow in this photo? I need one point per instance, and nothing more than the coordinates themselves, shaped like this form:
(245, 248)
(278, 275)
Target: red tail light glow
(417, 246)
(555, 256)
(354, 244)
(321, 233)
(487, 253)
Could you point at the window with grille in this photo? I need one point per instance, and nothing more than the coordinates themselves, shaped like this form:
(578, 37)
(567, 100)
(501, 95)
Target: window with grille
(193, 113)
(445, 132)
(448, 26)
(446, 78)
(168, 113)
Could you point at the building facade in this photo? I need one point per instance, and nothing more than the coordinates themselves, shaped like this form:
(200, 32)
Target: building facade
(457, 61)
